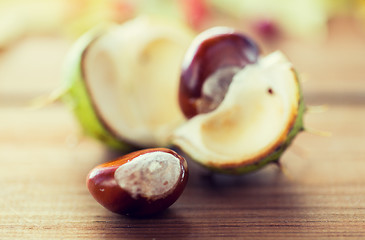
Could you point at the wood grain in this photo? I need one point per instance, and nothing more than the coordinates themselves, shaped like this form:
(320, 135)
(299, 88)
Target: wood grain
(318, 194)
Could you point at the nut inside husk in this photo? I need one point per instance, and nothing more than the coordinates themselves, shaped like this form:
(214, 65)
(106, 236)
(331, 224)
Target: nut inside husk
(122, 82)
(258, 118)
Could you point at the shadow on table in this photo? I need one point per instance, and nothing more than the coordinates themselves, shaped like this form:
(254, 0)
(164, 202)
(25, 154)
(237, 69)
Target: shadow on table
(169, 224)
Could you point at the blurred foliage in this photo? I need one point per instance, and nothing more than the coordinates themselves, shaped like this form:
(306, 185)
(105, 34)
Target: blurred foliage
(302, 18)
(299, 17)
(70, 17)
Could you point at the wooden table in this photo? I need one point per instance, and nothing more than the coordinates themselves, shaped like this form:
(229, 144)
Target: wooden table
(321, 193)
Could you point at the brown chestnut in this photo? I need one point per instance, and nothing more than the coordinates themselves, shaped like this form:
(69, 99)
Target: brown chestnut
(209, 65)
(140, 183)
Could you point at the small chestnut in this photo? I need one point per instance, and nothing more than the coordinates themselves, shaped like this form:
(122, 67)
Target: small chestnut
(140, 183)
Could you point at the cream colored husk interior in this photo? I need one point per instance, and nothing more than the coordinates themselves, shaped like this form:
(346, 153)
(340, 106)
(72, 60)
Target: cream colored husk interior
(132, 74)
(254, 116)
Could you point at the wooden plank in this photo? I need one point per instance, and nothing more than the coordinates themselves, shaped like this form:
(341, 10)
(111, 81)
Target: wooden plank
(31, 68)
(321, 195)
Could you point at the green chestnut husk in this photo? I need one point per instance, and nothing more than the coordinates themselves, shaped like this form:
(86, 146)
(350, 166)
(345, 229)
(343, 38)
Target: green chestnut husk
(78, 95)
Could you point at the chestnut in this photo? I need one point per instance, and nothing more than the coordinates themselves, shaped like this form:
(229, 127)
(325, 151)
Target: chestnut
(210, 63)
(140, 183)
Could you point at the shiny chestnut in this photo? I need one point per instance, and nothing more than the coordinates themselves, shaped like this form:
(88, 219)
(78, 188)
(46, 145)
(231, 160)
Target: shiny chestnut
(209, 65)
(141, 183)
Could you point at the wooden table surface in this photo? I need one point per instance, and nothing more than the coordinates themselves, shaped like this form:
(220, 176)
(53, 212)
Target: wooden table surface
(320, 195)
